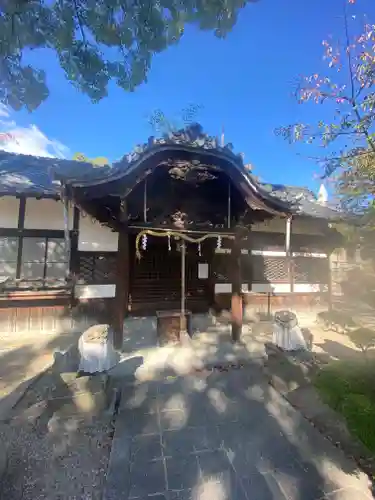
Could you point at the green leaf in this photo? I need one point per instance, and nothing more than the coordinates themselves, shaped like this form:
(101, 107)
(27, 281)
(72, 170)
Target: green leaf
(97, 40)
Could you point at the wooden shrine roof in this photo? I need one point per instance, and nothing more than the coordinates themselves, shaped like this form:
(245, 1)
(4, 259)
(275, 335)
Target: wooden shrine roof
(35, 176)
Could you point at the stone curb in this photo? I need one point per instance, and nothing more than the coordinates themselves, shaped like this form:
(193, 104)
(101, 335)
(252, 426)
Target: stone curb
(305, 398)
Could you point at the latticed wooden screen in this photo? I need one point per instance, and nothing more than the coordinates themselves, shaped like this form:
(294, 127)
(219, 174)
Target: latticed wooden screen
(310, 270)
(270, 269)
(97, 268)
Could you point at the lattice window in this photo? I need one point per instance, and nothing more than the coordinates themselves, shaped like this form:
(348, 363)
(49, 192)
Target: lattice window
(44, 260)
(8, 257)
(310, 270)
(270, 269)
(97, 268)
(33, 262)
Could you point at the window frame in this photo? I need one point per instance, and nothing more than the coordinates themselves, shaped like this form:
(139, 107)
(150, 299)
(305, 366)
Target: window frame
(19, 283)
(21, 233)
(44, 279)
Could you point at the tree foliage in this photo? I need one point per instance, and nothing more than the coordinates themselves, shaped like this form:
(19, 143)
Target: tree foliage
(99, 161)
(348, 87)
(96, 40)
(163, 124)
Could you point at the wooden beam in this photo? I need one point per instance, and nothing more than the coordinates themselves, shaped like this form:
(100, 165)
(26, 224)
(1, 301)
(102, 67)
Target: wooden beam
(122, 283)
(236, 275)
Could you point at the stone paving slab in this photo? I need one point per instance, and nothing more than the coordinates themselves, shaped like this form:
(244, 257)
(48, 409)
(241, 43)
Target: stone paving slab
(204, 350)
(222, 436)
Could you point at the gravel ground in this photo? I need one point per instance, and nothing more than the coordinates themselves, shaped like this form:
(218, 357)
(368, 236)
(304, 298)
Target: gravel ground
(53, 457)
(63, 463)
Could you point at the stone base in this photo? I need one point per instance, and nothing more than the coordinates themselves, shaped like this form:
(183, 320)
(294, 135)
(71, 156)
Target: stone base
(97, 353)
(169, 326)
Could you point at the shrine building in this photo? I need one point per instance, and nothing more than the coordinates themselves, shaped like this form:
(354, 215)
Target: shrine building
(179, 219)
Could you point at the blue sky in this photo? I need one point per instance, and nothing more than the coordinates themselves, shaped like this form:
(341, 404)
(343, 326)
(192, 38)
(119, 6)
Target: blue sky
(243, 82)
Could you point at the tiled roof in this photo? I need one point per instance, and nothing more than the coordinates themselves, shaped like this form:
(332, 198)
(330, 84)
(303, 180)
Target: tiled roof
(34, 176)
(303, 200)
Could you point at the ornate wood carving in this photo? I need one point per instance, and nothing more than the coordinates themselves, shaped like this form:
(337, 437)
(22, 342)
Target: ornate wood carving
(192, 136)
(186, 196)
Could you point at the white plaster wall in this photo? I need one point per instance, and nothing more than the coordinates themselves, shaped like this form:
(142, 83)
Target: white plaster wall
(309, 288)
(94, 291)
(227, 288)
(92, 237)
(45, 214)
(9, 210)
(274, 253)
(223, 287)
(272, 288)
(286, 288)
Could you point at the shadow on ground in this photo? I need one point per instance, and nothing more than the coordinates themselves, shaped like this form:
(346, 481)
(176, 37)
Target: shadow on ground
(223, 434)
(22, 365)
(56, 438)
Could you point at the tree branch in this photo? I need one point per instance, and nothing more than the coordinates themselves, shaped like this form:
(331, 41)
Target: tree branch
(76, 8)
(348, 53)
(323, 94)
(342, 157)
(364, 130)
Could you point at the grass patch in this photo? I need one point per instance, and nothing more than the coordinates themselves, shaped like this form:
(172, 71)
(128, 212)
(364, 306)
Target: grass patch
(349, 389)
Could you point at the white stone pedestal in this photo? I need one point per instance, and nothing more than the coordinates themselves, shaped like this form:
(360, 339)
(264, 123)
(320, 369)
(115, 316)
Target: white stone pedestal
(286, 333)
(96, 350)
(288, 339)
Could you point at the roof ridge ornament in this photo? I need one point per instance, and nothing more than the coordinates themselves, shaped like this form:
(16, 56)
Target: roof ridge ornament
(192, 136)
(322, 195)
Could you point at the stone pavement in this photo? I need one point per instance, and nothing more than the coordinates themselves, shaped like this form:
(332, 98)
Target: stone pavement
(218, 435)
(211, 344)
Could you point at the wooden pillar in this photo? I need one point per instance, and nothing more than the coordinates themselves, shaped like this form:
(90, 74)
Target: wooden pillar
(329, 281)
(236, 301)
(121, 302)
(290, 263)
(74, 254)
(21, 225)
(209, 256)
